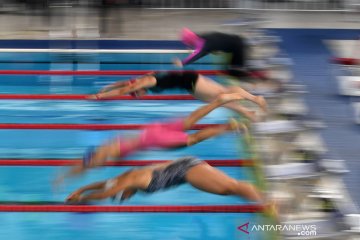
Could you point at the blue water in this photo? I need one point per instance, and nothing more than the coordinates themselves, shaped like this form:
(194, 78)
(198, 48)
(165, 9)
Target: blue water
(100, 66)
(72, 143)
(39, 83)
(134, 226)
(35, 183)
(136, 59)
(44, 111)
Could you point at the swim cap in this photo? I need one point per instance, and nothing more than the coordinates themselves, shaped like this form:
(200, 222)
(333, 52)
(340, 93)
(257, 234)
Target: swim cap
(188, 37)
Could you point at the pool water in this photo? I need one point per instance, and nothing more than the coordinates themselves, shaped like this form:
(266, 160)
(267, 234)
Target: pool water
(35, 183)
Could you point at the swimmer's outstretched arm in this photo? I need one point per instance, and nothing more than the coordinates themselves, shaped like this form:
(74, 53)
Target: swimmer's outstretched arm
(198, 53)
(76, 170)
(73, 172)
(113, 86)
(76, 196)
(100, 190)
(122, 89)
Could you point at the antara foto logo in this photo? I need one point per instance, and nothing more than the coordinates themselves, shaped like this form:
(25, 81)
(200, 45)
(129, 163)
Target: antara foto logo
(244, 228)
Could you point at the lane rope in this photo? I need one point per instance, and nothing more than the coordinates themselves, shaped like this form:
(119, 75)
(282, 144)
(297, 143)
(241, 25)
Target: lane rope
(83, 97)
(122, 163)
(95, 72)
(31, 207)
(77, 50)
(71, 126)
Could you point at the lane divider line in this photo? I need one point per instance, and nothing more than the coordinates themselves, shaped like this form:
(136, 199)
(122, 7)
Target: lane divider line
(31, 207)
(71, 126)
(122, 163)
(83, 97)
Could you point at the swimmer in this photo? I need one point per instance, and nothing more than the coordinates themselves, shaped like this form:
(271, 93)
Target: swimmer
(170, 174)
(168, 135)
(204, 44)
(201, 87)
(162, 176)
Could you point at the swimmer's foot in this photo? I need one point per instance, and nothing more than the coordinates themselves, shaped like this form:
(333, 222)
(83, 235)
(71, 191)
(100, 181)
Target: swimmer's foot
(251, 115)
(238, 126)
(260, 100)
(271, 211)
(229, 97)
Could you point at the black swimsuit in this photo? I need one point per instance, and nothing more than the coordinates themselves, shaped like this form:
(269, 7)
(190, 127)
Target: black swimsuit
(172, 175)
(175, 80)
(228, 43)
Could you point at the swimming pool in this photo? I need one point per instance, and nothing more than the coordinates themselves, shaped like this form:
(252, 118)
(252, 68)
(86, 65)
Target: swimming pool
(31, 184)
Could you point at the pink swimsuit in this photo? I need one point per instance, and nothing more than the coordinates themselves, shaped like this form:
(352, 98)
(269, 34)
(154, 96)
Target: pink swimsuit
(157, 135)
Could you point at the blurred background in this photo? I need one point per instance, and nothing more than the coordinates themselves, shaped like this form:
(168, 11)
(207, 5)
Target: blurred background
(307, 148)
(132, 19)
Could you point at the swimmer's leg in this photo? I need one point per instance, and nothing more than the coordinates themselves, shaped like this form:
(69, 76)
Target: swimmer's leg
(259, 100)
(196, 115)
(209, 179)
(214, 131)
(248, 113)
(209, 90)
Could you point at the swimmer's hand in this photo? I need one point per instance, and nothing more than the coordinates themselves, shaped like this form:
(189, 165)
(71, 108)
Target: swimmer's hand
(74, 197)
(59, 180)
(107, 88)
(92, 97)
(127, 194)
(177, 62)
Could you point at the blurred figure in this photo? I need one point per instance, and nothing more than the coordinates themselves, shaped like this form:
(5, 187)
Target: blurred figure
(166, 175)
(211, 42)
(161, 135)
(199, 86)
